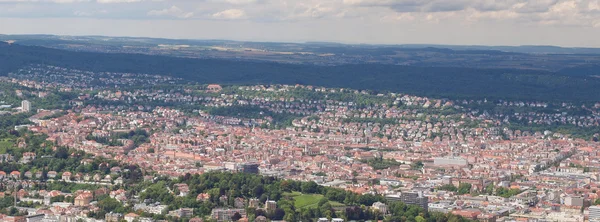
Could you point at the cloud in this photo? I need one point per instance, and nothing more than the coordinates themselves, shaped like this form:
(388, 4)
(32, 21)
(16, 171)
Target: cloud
(117, 1)
(230, 14)
(173, 11)
(43, 1)
(88, 13)
(240, 2)
(553, 13)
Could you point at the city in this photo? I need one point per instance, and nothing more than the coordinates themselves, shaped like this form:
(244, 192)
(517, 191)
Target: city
(299, 111)
(446, 156)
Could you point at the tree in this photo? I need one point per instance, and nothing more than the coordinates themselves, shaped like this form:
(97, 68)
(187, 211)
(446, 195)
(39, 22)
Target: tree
(236, 216)
(13, 211)
(489, 189)
(278, 214)
(448, 187)
(417, 165)
(464, 188)
(309, 187)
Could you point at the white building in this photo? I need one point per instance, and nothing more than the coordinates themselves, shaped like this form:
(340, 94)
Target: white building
(26, 106)
(594, 214)
(381, 207)
(445, 161)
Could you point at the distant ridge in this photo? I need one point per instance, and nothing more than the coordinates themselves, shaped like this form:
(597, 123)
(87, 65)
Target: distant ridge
(450, 82)
(539, 49)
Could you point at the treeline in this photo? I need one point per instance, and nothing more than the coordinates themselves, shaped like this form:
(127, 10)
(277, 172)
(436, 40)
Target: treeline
(450, 82)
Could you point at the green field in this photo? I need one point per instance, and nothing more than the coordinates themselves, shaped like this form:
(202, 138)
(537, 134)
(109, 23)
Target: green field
(309, 200)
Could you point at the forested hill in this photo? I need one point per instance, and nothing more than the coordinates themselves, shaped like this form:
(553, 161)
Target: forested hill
(427, 81)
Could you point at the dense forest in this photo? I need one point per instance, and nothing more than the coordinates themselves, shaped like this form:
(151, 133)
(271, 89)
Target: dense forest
(428, 81)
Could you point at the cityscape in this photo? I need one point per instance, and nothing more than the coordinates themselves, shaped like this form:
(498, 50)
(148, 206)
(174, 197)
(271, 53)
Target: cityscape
(469, 158)
(299, 111)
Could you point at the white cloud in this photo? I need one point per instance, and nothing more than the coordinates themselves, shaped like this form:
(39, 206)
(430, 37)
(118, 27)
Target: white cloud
(43, 1)
(117, 1)
(173, 11)
(239, 2)
(389, 16)
(230, 14)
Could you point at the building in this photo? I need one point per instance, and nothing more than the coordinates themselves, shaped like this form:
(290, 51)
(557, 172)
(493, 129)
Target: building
(270, 206)
(26, 106)
(13, 219)
(83, 199)
(381, 207)
(182, 213)
(113, 217)
(130, 217)
(594, 215)
(449, 161)
(411, 198)
(574, 201)
(214, 88)
(253, 202)
(249, 168)
(35, 218)
(221, 215)
(439, 207)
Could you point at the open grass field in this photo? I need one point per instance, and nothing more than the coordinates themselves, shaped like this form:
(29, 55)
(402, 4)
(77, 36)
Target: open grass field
(309, 200)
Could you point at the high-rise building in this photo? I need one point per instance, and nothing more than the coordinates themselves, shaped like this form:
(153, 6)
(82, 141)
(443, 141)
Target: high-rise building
(26, 106)
(410, 198)
(594, 214)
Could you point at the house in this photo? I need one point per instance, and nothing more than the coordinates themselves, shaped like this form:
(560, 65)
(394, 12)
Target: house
(253, 203)
(78, 177)
(15, 174)
(39, 174)
(28, 174)
(214, 88)
(183, 189)
(130, 217)
(203, 197)
(51, 174)
(28, 157)
(83, 199)
(66, 176)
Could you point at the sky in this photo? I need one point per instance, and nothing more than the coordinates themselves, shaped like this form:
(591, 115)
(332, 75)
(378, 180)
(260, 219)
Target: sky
(457, 22)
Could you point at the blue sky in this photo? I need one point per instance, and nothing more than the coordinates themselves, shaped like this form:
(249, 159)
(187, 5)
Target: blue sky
(481, 22)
